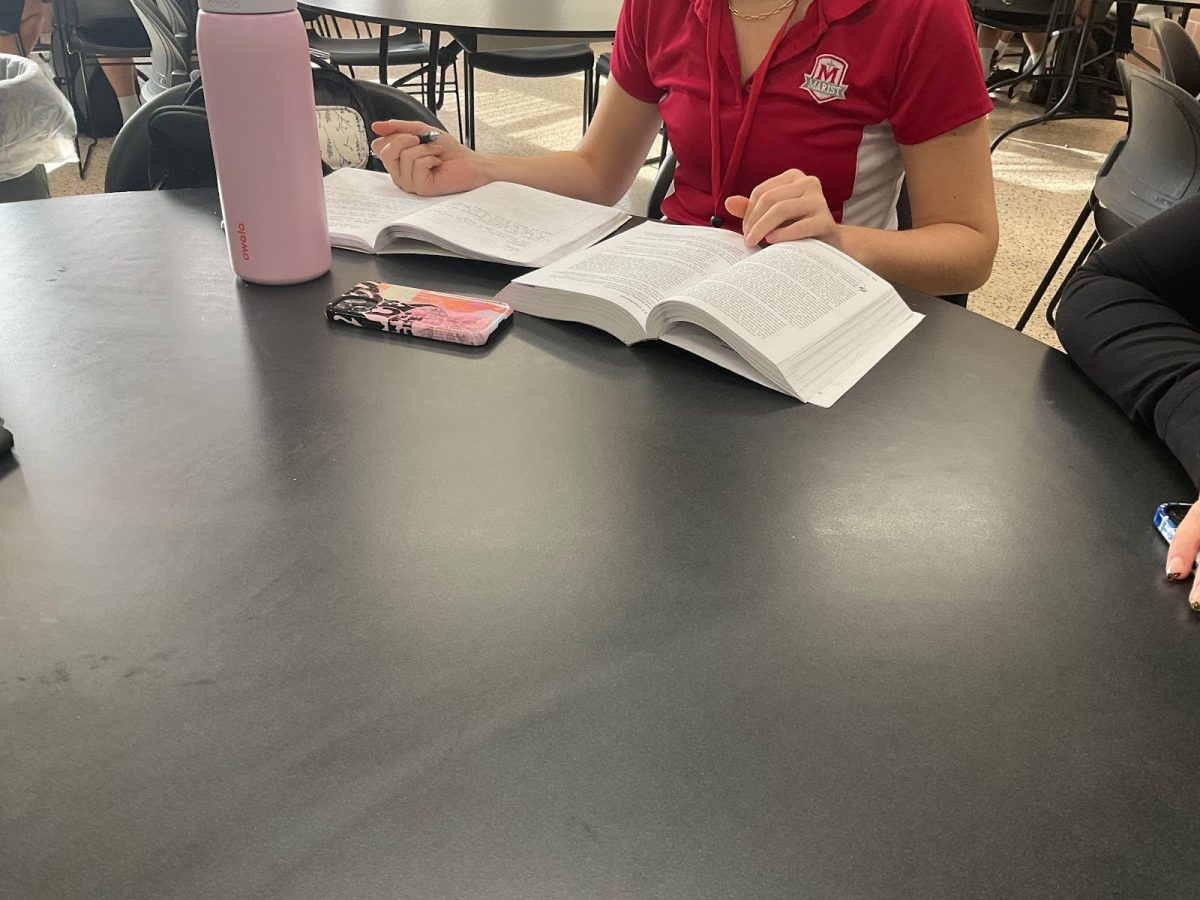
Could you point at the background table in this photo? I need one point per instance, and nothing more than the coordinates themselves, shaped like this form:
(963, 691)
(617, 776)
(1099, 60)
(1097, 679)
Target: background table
(290, 610)
(593, 20)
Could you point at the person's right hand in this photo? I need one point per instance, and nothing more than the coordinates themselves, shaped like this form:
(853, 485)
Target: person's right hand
(1183, 551)
(443, 166)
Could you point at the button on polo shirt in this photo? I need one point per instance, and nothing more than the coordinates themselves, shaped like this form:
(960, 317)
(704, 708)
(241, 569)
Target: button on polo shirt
(850, 83)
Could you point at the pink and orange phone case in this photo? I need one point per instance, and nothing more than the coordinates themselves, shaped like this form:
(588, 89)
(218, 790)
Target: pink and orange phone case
(426, 314)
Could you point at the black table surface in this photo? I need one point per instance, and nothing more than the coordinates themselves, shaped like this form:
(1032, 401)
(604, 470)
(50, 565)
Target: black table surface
(595, 19)
(291, 610)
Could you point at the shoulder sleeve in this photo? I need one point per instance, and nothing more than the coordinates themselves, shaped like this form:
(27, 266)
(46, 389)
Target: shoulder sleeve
(939, 81)
(630, 65)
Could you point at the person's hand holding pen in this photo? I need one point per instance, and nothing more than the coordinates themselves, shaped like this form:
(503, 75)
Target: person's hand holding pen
(425, 161)
(1184, 549)
(788, 207)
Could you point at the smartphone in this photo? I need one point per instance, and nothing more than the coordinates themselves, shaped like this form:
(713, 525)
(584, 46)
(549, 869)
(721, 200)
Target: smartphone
(1168, 517)
(425, 314)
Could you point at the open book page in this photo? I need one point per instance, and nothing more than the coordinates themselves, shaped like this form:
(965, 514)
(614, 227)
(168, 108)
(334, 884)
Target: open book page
(361, 204)
(787, 297)
(644, 266)
(708, 346)
(860, 365)
(514, 223)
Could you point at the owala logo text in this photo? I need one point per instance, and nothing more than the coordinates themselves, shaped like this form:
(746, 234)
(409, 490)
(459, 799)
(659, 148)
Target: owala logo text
(244, 241)
(827, 81)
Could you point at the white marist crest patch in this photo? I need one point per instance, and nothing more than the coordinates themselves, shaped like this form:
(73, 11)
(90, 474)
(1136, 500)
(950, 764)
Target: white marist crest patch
(827, 80)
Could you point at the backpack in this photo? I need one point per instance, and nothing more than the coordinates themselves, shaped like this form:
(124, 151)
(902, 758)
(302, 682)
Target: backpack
(97, 112)
(181, 149)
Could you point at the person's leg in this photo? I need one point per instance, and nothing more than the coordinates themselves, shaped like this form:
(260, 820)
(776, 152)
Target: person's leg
(33, 24)
(1130, 319)
(987, 38)
(1006, 38)
(1036, 42)
(121, 75)
(10, 26)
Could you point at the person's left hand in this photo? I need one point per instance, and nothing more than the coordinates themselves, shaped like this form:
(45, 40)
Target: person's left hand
(1183, 551)
(788, 207)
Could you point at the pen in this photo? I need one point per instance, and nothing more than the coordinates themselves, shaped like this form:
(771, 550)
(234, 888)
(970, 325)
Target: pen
(427, 138)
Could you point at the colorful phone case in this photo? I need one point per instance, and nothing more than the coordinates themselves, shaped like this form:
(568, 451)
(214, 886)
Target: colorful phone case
(425, 314)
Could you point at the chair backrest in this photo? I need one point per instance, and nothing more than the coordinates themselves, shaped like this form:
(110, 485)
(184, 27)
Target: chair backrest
(1012, 13)
(1159, 162)
(1178, 54)
(181, 16)
(129, 161)
(78, 15)
(170, 64)
(663, 180)
(391, 103)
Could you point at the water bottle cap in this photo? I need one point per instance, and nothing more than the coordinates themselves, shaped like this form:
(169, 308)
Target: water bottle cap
(247, 7)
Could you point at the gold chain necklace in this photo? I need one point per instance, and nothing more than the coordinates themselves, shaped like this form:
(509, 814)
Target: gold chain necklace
(760, 16)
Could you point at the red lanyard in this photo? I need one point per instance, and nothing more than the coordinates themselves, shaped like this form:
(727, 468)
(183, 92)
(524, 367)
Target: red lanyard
(721, 186)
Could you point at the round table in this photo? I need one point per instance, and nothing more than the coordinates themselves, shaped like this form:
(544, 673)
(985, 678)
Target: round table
(592, 20)
(291, 610)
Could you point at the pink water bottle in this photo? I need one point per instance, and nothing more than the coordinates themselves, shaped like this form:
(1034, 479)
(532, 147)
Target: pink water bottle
(258, 92)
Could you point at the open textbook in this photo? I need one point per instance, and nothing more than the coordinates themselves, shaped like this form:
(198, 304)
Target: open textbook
(501, 222)
(799, 317)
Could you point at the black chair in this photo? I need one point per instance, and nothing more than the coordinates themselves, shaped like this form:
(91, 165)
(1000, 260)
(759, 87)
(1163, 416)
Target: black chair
(1155, 165)
(604, 71)
(181, 16)
(403, 49)
(662, 185)
(1021, 16)
(128, 163)
(409, 48)
(530, 62)
(170, 61)
(85, 30)
(1178, 55)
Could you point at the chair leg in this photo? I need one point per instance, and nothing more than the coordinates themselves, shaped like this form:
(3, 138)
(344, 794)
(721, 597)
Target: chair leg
(383, 53)
(595, 89)
(1092, 243)
(86, 159)
(1054, 266)
(588, 92)
(469, 103)
(435, 59)
(458, 106)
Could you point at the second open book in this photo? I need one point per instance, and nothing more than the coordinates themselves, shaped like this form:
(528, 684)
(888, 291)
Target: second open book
(800, 317)
(505, 223)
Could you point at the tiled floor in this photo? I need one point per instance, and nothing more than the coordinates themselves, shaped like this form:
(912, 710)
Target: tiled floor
(1043, 174)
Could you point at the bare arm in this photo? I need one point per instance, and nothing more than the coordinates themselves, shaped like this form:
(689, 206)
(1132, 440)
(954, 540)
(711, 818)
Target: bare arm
(952, 244)
(599, 170)
(953, 240)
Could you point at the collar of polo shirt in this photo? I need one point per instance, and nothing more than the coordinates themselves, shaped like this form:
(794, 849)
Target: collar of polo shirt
(829, 10)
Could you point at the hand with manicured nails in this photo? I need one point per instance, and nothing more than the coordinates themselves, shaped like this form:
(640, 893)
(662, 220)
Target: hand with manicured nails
(1183, 551)
(443, 166)
(788, 207)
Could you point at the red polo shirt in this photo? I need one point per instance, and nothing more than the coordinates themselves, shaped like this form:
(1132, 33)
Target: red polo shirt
(849, 83)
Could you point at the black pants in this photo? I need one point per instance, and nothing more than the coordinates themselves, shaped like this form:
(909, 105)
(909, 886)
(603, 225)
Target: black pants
(1130, 319)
